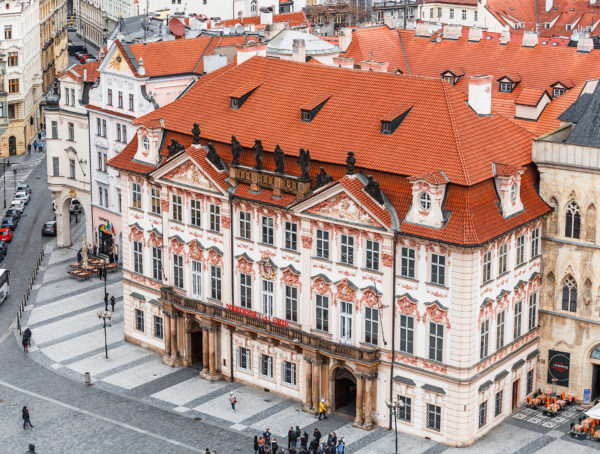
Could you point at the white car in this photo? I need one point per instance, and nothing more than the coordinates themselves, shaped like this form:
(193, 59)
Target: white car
(22, 196)
(24, 188)
(18, 205)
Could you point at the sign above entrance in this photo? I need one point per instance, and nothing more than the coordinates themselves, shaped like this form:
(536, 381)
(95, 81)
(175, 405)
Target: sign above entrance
(558, 367)
(258, 315)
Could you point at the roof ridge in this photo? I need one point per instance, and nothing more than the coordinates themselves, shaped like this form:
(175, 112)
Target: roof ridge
(445, 88)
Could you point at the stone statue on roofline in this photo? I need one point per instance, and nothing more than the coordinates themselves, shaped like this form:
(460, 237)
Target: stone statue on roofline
(236, 151)
(372, 188)
(258, 154)
(213, 157)
(279, 159)
(304, 163)
(350, 161)
(174, 148)
(322, 179)
(196, 134)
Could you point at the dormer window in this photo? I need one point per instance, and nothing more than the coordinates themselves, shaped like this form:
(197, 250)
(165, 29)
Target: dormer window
(513, 192)
(425, 201)
(452, 75)
(311, 108)
(241, 94)
(146, 143)
(306, 116)
(386, 127)
(506, 87)
(556, 92)
(428, 193)
(235, 103)
(392, 120)
(507, 179)
(508, 82)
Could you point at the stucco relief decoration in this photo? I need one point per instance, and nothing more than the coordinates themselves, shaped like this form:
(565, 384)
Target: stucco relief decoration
(435, 367)
(214, 258)
(306, 241)
(388, 260)
(371, 299)
(321, 287)
(346, 293)
(342, 207)
(195, 252)
(290, 278)
(226, 222)
(486, 311)
(408, 307)
(175, 246)
(244, 266)
(403, 358)
(267, 270)
(155, 240)
(136, 234)
(164, 204)
(437, 314)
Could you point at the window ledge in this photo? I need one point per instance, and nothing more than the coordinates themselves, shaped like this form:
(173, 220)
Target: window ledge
(520, 265)
(486, 283)
(260, 243)
(368, 270)
(177, 222)
(412, 279)
(158, 215)
(212, 300)
(324, 334)
(502, 274)
(314, 257)
(139, 210)
(433, 284)
(241, 238)
(293, 251)
(214, 232)
(346, 265)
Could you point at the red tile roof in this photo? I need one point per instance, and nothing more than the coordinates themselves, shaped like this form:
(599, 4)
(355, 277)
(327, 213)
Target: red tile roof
(294, 19)
(88, 72)
(431, 177)
(110, 112)
(357, 189)
(530, 96)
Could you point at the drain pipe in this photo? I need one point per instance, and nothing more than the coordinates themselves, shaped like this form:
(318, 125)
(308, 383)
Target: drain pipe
(393, 326)
(231, 230)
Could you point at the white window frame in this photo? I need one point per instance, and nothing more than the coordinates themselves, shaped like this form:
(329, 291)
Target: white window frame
(487, 267)
(500, 329)
(155, 207)
(176, 207)
(268, 230)
(484, 343)
(436, 342)
(244, 359)
(535, 242)
(291, 303)
(136, 195)
(291, 236)
(347, 249)
(178, 280)
(138, 257)
(266, 366)
(532, 311)
(215, 218)
(346, 318)
(289, 374)
(520, 250)
(322, 246)
(216, 278)
(518, 320)
(245, 223)
(372, 255)
(371, 325)
(407, 265)
(196, 279)
(502, 259)
(246, 290)
(157, 263)
(322, 313)
(438, 269)
(268, 297)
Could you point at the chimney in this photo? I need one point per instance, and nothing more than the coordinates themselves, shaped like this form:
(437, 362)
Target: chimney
(141, 70)
(452, 31)
(585, 45)
(266, 16)
(164, 29)
(345, 38)
(549, 5)
(271, 30)
(505, 35)
(530, 39)
(247, 51)
(475, 34)
(480, 94)
(376, 66)
(299, 50)
(344, 62)
(422, 29)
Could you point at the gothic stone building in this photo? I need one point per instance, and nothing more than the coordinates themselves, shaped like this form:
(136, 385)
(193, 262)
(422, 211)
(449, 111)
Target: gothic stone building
(261, 247)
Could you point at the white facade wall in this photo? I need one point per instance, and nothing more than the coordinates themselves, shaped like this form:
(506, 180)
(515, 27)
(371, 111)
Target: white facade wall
(445, 13)
(219, 8)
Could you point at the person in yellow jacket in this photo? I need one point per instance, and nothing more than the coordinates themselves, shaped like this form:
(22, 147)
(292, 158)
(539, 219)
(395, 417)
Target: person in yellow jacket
(322, 409)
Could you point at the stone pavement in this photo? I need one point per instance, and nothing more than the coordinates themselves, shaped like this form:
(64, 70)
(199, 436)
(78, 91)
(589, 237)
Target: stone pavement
(68, 339)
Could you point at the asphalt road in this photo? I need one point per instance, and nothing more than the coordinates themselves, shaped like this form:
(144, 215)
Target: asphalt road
(27, 241)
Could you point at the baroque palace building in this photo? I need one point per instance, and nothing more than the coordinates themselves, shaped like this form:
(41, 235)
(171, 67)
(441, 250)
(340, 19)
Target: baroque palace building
(372, 236)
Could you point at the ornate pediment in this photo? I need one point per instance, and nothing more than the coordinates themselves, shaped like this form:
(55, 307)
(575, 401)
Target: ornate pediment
(118, 64)
(189, 174)
(342, 207)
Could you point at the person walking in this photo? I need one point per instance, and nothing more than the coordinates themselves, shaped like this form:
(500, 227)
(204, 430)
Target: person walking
(274, 446)
(317, 435)
(26, 340)
(31, 449)
(79, 256)
(232, 401)
(322, 409)
(289, 437)
(26, 420)
(304, 440)
(341, 445)
(112, 303)
(293, 439)
(29, 149)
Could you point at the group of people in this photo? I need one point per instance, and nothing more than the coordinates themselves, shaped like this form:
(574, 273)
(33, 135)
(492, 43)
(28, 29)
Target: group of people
(298, 443)
(38, 145)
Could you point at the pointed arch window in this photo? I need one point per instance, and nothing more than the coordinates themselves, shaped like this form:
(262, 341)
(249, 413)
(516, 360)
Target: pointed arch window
(569, 295)
(573, 220)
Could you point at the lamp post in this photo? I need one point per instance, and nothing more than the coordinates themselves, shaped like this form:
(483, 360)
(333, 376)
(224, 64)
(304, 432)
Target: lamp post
(6, 164)
(105, 315)
(395, 406)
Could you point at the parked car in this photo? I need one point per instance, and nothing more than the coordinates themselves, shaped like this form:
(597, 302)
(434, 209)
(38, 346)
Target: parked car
(6, 234)
(14, 213)
(71, 28)
(89, 59)
(18, 204)
(75, 48)
(3, 249)
(24, 188)
(22, 196)
(83, 58)
(9, 223)
(49, 229)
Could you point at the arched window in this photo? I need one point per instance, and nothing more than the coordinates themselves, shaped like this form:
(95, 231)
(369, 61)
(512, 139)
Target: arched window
(573, 220)
(569, 295)
(253, 7)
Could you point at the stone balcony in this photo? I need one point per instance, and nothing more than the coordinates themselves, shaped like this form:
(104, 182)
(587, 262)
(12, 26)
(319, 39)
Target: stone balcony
(551, 149)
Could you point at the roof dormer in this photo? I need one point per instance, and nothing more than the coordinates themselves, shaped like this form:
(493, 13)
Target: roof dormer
(507, 179)
(507, 83)
(312, 107)
(561, 86)
(428, 194)
(148, 142)
(391, 121)
(452, 75)
(240, 95)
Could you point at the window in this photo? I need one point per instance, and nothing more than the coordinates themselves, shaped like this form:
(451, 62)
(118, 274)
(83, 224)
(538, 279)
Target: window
(291, 303)
(572, 223)
(288, 373)
(322, 312)
(101, 161)
(438, 269)
(8, 32)
(306, 117)
(425, 201)
(532, 311)
(556, 92)
(55, 167)
(407, 266)
(386, 127)
(482, 414)
(215, 282)
(267, 230)
(500, 330)
(157, 263)
(13, 85)
(475, 17)
(243, 358)
(485, 339)
(451, 13)
(436, 341)
(347, 252)
(131, 102)
(506, 87)
(267, 297)
(502, 258)
(215, 218)
(434, 417)
(529, 389)
(67, 96)
(513, 192)
(119, 199)
(158, 327)
(101, 196)
(266, 366)
(498, 403)
(407, 333)
(245, 225)
(71, 129)
(518, 317)
(464, 14)
(100, 127)
(155, 200)
(404, 412)
(345, 322)
(176, 207)
(109, 97)
(291, 236)
(235, 103)
(12, 112)
(246, 290)
(196, 212)
(535, 242)
(487, 267)
(55, 130)
(120, 98)
(323, 244)
(72, 96)
(431, 13)
(569, 295)
(139, 320)
(121, 133)
(253, 7)
(520, 250)
(13, 59)
(136, 195)
(439, 12)
(372, 262)
(138, 257)
(146, 143)
(72, 168)
(371, 325)
(196, 279)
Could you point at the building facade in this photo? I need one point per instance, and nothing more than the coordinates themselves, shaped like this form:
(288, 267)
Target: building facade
(461, 12)
(568, 163)
(54, 39)
(67, 145)
(89, 21)
(20, 28)
(352, 283)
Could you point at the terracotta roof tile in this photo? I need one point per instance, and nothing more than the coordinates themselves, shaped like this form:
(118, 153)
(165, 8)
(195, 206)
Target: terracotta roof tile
(110, 112)
(437, 177)
(295, 19)
(89, 71)
(530, 96)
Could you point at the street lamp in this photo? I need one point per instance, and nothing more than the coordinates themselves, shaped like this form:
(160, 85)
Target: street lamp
(395, 407)
(105, 315)
(6, 164)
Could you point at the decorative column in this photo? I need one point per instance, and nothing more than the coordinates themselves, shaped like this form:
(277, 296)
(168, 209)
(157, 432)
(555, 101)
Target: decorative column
(359, 399)
(204, 348)
(212, 351)
(187, 341)
(174, 350)
(315, 382)
(167, 319)
(371, 382)
(308, 404)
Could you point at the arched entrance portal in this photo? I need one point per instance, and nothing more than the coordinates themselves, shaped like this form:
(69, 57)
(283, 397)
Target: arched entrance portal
(595, 359)
(71, 221)
(345, 392)
(196, 345)
(12, 145)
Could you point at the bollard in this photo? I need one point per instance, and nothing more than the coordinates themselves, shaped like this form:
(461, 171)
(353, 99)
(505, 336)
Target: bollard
(88, 378)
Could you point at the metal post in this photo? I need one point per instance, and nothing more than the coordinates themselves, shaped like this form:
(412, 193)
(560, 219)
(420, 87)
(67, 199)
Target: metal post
(396, 430)
(106, 348)
(5, 183)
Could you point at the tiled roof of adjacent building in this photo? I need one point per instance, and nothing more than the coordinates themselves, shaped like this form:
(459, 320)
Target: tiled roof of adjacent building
(88, 72)
(295, 19)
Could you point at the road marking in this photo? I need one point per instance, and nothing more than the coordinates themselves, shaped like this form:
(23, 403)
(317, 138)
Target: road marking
(102, 418)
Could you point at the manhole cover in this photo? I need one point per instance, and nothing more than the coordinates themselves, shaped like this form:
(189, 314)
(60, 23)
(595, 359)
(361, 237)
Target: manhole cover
(197, 418)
